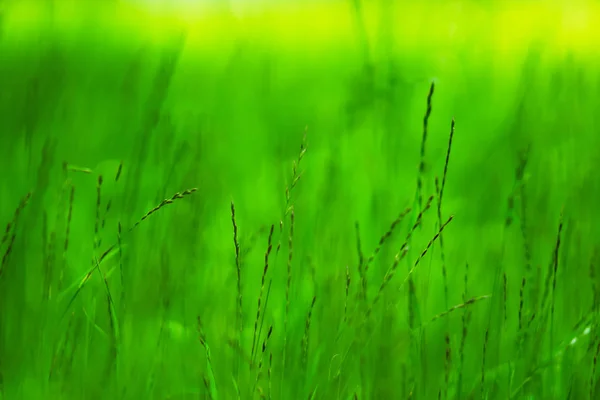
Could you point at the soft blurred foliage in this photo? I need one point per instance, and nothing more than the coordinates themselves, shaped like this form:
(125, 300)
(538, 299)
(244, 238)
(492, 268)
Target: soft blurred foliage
(219, 100)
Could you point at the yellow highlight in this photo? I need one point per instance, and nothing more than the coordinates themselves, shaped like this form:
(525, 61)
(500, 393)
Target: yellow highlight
(415, 26)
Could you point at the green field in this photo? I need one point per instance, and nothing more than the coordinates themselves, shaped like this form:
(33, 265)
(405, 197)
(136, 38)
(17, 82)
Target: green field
(278, 204)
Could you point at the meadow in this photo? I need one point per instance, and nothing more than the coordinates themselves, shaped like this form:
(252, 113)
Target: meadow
(340, 201)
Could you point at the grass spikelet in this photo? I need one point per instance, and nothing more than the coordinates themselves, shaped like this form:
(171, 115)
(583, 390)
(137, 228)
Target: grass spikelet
(59, 347)
(550, 280)
(442, 252)
(361, 262)
(465, 319)
(295, 174)
(465, 304)
(238, 269)
(280, 235)
(10, 231)
(51, 245)
(207, 386)
(521, 303)
(97, 221)
(417, 223)
(288, 285)
(69, 219)
(106, 211)
(517, 188)
(312, 268)
(429, 244)
(510, 209)
(262, 289)
(440, 193)
(386, 280)
(210, 379)
(306, 337)
(447, 364)
(85, 279)
(485, 346)
(347, 294)
(114, 324)
(261, 359)
(108, 251)
(11, 225)
(524, 226)
(466, 282)
(555, 260)
(412, 298)
(165, 202)
(385, 237)
(50, 262)
(447, 161)
(119, 171)
(263, 314)
(380, 244)
(7, 252)
(549, 360)
(423, 143)
(251, 241)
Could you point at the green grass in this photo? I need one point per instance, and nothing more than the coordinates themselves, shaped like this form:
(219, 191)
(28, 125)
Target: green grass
(253, 223)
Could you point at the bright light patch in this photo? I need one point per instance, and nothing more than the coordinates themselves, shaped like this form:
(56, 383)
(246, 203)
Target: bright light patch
(587, 330)
(317, 27)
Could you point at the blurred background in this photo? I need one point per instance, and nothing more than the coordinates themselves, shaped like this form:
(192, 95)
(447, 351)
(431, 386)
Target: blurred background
(217, 96)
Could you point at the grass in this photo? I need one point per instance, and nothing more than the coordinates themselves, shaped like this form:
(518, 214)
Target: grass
(171, 232)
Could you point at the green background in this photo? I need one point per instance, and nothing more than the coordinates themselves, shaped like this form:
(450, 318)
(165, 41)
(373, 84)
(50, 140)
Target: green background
(227, 115)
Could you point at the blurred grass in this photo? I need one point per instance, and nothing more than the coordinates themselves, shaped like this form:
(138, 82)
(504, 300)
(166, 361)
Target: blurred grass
(220, 103)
